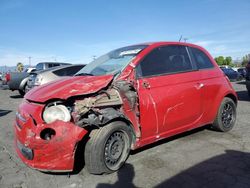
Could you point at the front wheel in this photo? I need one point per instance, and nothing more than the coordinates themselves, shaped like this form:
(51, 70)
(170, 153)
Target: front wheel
(226, 116)
(108, 148)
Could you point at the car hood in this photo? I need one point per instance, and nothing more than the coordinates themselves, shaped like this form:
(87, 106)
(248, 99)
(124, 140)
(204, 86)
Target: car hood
(67, 87)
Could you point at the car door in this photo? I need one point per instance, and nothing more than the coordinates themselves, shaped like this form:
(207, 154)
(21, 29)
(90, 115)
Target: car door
(169, 91)
(211, 77)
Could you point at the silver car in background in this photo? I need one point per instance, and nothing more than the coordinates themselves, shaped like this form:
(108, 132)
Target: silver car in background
(38, 78)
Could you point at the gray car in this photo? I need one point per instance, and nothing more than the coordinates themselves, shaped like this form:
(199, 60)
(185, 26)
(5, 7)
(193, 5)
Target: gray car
(38, 78)
(18, 80)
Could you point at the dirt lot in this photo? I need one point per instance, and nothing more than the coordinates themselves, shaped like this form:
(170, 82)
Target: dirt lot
(200, 158)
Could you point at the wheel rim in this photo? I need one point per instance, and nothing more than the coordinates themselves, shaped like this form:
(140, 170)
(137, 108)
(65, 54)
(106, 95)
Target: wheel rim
(115, 150)
(228, 115)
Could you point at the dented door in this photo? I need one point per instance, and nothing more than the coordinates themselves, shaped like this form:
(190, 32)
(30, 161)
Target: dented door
(169, 103)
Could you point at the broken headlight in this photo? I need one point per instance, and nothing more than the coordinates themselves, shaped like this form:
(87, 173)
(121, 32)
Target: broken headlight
(56, 112)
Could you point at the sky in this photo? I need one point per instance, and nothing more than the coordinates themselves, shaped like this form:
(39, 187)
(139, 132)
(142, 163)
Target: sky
(75, 31)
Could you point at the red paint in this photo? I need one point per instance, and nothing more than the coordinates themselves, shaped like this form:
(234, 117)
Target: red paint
(56, 154)
(168, 105)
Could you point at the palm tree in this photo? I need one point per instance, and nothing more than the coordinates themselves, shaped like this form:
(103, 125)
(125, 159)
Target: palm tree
(19, 67)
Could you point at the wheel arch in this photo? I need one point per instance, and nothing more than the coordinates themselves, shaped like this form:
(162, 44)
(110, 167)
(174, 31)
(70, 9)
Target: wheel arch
(233, 97)
(23, 83)
(218, 102)
(129, 124)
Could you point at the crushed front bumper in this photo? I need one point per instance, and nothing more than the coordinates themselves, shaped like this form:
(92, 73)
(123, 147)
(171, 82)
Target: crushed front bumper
(55, 154)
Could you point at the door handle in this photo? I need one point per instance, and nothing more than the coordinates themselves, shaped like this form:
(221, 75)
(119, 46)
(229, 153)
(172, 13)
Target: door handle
(146, 85)
(199, 85)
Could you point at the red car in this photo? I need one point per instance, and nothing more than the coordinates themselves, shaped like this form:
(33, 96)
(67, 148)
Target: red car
(126, 99)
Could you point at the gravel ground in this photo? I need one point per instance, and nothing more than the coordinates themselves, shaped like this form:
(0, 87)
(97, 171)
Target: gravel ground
(200, 158)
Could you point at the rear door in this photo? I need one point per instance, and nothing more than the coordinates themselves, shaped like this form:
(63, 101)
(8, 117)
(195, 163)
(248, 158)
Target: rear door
(169, 91)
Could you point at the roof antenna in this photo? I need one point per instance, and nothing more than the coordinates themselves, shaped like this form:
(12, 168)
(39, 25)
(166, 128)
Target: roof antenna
(180, 38)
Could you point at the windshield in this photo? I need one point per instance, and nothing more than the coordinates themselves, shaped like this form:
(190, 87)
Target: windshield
(112, 62)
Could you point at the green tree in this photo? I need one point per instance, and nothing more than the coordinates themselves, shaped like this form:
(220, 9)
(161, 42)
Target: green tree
(19, 67)
(228, 61)
(220, 60)
(245, 60)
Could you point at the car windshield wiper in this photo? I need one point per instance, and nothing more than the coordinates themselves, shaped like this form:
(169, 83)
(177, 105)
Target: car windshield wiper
(84, 74)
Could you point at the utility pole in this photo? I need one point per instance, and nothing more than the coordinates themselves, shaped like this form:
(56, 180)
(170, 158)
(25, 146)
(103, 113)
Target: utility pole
(29, 61)
(180, 38)
(54, 58)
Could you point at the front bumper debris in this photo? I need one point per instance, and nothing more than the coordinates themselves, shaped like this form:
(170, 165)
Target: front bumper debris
(55, 154)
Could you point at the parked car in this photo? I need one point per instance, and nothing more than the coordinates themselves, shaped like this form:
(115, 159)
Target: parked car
(124, 100)
(18, 80)
(232, 74)
(38, 78)
(242, 72)
(47, 65)
(1, 76)
(248, 77)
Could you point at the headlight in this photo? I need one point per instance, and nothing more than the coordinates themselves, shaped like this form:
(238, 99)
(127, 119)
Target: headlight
(38, 80)
(58, 112)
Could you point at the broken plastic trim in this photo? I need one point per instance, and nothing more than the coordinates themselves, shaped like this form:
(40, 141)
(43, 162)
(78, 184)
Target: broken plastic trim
(99, 117)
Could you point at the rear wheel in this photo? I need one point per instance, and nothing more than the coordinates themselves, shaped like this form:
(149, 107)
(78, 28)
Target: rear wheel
(108, 148)
(226, 116)
(26, 88)
(21, 92)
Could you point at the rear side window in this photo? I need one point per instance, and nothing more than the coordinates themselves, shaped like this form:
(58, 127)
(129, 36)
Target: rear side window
(201, 59)
(53, 65)
(39, 66)
(68, 71)
(165, 60)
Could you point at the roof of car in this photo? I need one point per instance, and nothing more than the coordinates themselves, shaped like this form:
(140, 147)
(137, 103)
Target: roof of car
(57, 68)
(168, 42)
(54, 63)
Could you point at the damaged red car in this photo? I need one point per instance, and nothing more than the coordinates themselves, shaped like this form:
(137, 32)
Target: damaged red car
(126, 99)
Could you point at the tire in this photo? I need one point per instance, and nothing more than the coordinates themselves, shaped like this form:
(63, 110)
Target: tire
(26, 89)
(21, 92)
(108, 148)
(226, 116)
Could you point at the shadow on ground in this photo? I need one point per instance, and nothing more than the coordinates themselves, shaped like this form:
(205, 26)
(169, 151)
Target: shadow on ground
(16, 96)
(4, 112)
(124, 179)
(231, 169)
(243, 95)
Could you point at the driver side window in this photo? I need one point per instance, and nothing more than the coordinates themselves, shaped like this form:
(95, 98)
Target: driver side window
(165, 60)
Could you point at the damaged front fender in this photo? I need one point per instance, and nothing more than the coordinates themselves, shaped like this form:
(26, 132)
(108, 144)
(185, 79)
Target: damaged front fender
(119, 101)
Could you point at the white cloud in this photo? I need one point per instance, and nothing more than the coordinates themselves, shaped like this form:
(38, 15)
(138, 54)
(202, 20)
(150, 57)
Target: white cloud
(205, 43)
(224, 47)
